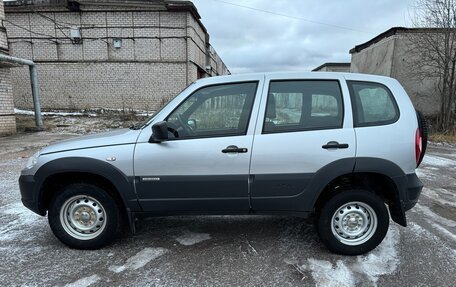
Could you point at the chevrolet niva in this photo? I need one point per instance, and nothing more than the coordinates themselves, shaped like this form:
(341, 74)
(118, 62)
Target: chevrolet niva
(340, 147)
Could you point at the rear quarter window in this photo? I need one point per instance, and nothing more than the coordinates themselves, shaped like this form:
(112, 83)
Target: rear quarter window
(373, 104)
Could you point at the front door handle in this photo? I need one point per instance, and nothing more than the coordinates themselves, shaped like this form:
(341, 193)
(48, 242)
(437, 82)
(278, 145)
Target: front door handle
(334, 144)
(234, 149)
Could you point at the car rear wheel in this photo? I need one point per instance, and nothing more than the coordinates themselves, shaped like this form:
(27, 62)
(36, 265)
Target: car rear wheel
(353, 222)
(83, 216)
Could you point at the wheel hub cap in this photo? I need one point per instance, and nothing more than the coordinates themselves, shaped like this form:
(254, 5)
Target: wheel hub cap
(83, 217)
(354, 223)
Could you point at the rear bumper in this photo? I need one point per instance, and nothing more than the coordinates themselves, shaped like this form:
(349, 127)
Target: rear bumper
(29, 195)
(411, 192)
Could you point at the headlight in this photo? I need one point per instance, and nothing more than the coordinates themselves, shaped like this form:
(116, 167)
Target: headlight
(32, 160)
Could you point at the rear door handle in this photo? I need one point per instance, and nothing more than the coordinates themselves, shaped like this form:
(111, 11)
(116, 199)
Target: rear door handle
(234, 149)
(334, 144)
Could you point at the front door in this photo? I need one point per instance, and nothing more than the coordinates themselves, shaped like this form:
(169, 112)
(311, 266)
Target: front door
(204, 165)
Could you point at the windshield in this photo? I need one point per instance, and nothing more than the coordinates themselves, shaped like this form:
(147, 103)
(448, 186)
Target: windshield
(144, 123)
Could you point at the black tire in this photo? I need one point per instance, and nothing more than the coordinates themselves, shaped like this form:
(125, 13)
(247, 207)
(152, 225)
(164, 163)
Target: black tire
(363, 204)
(92, 199)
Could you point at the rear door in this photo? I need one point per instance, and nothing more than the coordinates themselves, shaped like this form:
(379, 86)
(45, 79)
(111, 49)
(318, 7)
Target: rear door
(304, 125)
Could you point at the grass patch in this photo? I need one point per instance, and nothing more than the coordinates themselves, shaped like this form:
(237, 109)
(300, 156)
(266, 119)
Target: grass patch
(441, 137)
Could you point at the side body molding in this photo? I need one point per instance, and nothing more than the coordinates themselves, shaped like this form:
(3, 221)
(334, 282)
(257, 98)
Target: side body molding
(123, 183)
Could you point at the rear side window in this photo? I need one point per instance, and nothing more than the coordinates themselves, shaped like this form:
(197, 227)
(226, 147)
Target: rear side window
(373, 104)
(303, 105)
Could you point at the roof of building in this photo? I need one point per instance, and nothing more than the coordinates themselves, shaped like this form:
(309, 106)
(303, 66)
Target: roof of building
(331, 64)
(170, 5)
(391, 32)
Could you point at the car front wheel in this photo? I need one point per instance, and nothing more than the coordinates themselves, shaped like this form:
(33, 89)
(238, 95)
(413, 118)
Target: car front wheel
(83, 216)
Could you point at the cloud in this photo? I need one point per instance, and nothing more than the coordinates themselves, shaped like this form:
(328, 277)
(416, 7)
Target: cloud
(254, 41)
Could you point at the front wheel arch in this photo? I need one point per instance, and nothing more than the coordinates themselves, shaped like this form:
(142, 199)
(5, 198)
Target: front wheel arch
(52, 175)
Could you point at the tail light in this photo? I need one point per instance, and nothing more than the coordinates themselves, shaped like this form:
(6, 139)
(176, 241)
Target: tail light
(418, 146)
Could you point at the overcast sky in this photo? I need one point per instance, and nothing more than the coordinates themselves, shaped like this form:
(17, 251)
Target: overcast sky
(254, 41)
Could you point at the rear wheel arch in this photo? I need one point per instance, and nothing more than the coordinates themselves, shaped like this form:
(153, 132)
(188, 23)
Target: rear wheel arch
(380, 176)
(378, 183)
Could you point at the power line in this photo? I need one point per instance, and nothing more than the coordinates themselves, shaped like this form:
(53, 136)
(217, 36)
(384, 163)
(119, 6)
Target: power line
(292, 17)
(54, 21)
(49, 37)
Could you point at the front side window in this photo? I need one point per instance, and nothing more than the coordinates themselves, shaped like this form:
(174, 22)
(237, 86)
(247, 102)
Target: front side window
(303, 105)
(373, 104)
(220, 110)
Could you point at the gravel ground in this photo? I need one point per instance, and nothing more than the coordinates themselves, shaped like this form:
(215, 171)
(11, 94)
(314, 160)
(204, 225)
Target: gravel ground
(227, 250)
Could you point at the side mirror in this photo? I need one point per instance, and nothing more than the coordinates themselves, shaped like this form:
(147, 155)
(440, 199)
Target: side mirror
(192, 124)
(159, 132)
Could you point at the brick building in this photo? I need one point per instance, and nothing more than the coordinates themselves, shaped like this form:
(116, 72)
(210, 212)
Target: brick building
(7, 118)
(108, 54)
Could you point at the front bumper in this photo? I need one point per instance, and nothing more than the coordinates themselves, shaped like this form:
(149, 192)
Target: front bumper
(29, 194)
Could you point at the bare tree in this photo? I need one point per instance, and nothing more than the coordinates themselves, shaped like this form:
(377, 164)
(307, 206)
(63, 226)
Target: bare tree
(433, 50)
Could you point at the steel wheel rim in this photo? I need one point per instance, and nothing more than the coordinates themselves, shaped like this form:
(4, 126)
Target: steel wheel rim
(83, 217)
(354, 223)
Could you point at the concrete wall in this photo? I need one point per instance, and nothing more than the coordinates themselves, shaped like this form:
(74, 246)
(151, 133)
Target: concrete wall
(160, 55)
(391, 57)
(423, 92)
(376, 59)
(7, 118)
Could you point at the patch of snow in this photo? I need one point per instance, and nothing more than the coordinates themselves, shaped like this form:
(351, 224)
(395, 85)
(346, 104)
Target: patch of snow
(191, 238)
(140, 259)
(438, 161)
(436, 218)
(424, 233)
(442, 230)
(424, 173)
(435, 194)
(63, 114)
(419, 230)
(326, 274)
(19, 218)
(383, 260)
(84, 282)
(440, 143)
(251, 249)
(90, 112)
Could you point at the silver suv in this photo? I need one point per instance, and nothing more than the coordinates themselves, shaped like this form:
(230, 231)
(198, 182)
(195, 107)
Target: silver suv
(338, 147)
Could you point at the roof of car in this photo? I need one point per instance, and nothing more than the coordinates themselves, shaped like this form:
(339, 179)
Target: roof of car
(291, 75)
